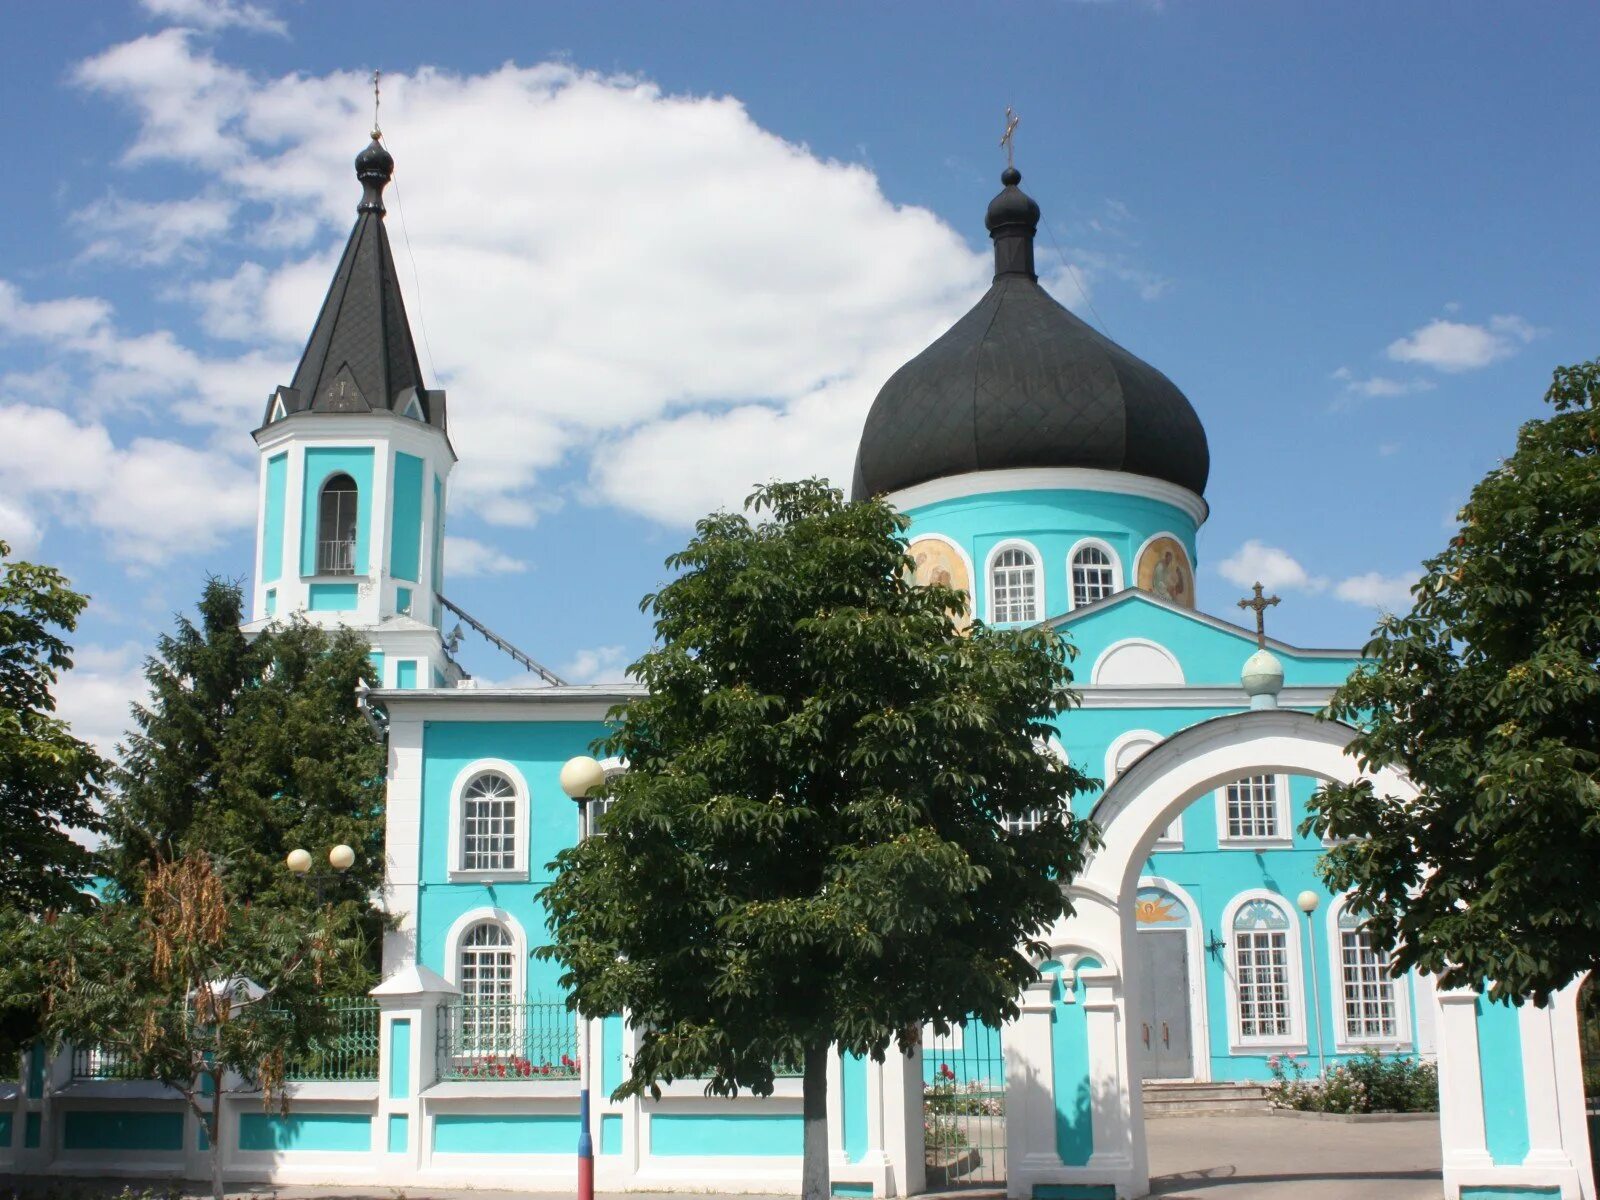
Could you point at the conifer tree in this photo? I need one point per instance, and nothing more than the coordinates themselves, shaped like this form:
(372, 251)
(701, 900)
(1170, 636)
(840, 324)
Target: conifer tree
(809, 847)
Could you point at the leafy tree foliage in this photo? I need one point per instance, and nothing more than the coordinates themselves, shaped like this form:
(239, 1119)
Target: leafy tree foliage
(1487, 695)
(247, 750)
(193, 991)
(808, 847)
(49, 780)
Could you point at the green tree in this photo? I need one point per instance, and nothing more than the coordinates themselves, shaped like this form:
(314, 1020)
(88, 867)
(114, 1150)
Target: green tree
(249, 749)
(49, 780)
(808, 847)
(195, 992)
(1487, 696)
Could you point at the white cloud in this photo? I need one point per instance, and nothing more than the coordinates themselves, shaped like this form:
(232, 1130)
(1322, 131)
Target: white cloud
(642, 266)
(1390, 593)
(151, 233)
(214, 15)
(18, 528)
(1380, 385)
(1255, 562)
(96, 695)
(1454, 346)
(152, 499)
(466, 557)
(602, 664)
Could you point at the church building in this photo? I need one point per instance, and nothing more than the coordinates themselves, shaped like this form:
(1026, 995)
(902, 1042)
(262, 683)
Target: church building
(1054, 477)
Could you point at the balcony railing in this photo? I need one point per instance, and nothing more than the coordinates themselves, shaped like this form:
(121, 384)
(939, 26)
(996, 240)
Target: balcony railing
(95, 1062)
(538, 1040)
(336, 557)
(348, 1053)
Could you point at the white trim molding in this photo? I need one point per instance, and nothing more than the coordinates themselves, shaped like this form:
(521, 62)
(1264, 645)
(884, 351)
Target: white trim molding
(1283, 815)
(1294, 1041)
(995, 551)
(1143, 643)
(520, 815)
(519, 947)
(1040, 479)
(1118, 573)
(1399, 992)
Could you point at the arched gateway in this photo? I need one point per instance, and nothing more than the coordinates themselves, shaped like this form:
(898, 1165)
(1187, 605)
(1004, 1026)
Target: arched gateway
(1512, 1102)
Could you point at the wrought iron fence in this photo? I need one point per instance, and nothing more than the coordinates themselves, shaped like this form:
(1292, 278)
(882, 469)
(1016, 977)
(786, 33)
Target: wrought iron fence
(964, 1106)
(536, 1040)
(349, 1052)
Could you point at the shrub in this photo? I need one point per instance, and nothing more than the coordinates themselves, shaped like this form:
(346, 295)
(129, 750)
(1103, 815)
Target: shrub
(1368, 1083)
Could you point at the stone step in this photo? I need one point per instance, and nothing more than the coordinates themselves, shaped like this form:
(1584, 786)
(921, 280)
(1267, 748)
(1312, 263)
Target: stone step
(1162, 1098)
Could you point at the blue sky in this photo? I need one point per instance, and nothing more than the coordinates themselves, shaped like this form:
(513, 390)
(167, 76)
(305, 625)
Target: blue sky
(659, 252)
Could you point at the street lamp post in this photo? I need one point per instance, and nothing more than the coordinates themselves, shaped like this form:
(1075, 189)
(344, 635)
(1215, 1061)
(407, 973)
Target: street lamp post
(1307, 902)
(341, 858)
(580, 777)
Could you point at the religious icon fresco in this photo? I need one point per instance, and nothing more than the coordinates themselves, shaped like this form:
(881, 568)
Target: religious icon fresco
(1164, 571)
(1156, 906)
(937, 561)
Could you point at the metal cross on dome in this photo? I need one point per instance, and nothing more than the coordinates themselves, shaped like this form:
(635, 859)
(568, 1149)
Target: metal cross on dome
(1006, 138)
(1260, 604)
(377, 130)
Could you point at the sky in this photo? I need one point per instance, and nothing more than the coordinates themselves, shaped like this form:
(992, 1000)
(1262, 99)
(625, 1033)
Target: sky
(657, 253)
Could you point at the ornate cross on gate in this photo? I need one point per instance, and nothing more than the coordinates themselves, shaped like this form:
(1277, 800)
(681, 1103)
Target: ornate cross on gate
(1260, 604)
(1012, 121)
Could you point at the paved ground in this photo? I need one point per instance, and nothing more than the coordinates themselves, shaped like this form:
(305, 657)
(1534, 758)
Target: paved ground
(1191, 1158)
(1283, 1158)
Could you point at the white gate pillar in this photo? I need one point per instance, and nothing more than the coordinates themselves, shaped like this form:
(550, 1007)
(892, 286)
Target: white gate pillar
(1030, 1091)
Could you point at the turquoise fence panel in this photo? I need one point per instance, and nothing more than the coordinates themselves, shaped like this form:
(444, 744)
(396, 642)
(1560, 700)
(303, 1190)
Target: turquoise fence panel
(522, 1133)
(121, 1130)
(1505, 1109)
(746, 1134)
(399, 1059)
(399, 1133)
(343, 1132)
(853, 1101)
(610, 1134)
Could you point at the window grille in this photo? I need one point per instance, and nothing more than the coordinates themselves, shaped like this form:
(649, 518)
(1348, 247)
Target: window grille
(336, 527)
(1013, 587)
(1261, 960)
(1026, 823)
(1092, 576)
(489, 824)
(488, 983)
(1253, 807)
(1369, 1007)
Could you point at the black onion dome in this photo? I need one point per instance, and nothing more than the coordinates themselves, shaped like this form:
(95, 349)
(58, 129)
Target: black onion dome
(1021, 382)
(374, 168)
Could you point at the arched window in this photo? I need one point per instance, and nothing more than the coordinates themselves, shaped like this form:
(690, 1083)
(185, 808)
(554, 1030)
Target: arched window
(1367, 1006)
(1261, 964)
(489, 824)
(336, 527)
(1013, 587)
(1094, 575)
(487, 966)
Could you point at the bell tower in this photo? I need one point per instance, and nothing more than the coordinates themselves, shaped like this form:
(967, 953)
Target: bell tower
(355, 462)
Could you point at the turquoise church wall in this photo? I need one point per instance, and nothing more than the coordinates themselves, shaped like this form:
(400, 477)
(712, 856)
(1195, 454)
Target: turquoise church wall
(536, 750)
(405, 530)
(320, 463)
(272, 518)
(1053, 521)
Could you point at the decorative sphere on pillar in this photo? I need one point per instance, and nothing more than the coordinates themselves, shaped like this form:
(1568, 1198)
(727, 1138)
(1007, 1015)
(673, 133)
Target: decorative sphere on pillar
(1307, 901)
(581, 776)
(298, 861)
(1262, 678)
(341, 857)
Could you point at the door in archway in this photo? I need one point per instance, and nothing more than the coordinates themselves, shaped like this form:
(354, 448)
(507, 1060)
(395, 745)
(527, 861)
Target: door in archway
(1163, 1042)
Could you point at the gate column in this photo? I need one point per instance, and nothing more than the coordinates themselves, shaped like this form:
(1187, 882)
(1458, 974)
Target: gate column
(1030, 1092)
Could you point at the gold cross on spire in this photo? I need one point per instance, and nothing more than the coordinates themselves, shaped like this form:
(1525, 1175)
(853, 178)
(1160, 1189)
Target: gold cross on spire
(377, 130)
(1260, 603)
(1006, 138)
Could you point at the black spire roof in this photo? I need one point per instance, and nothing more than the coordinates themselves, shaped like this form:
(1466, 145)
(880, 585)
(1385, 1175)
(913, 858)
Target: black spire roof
(361, 357)
(1021, 382)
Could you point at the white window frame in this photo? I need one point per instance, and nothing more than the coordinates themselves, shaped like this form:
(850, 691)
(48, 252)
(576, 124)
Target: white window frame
(520, 812)
(1038, 581)
(1398, 986)
(1104, 546)
(519, 947)
(1295, 1041)
(1285, 812)
(1170, 838)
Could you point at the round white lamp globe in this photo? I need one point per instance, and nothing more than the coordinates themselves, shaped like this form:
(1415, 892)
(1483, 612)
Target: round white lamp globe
(581, 776)
(1308, 901)
(298, 861)
(341, 857)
